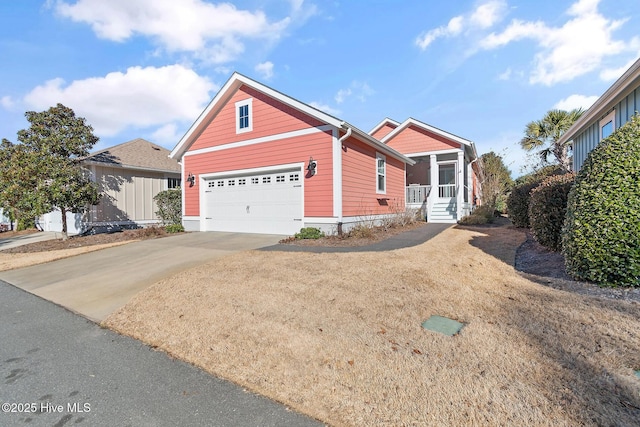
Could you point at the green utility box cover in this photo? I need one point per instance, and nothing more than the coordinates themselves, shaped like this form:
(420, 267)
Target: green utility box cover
(442, 325)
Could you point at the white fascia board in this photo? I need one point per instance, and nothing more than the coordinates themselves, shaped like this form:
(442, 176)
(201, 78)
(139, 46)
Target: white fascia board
(410, 121)
(385, 121)
(221, 98)
(608, 100)
(368, 139)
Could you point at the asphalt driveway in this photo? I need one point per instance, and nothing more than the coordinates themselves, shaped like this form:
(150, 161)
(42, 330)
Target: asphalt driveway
(96, 284)
(58, 369)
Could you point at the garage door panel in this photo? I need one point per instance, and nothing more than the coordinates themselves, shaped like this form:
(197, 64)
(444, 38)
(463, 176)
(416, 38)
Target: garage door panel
(257, 203)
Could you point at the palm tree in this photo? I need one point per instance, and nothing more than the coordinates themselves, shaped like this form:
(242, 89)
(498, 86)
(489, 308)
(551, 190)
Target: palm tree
(544, 135)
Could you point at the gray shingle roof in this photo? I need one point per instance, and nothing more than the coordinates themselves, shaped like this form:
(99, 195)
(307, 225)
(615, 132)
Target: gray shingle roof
(137, 153)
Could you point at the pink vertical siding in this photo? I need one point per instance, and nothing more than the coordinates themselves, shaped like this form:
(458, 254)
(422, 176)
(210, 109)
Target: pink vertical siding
(318, 197)
(384, 131)
(270, 117)
(415, 140)
(359, 181)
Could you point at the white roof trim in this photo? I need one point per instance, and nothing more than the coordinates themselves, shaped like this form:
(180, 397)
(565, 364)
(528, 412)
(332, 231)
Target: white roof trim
(385, 121)
(384, 148)
(608, 100)
(235, 81)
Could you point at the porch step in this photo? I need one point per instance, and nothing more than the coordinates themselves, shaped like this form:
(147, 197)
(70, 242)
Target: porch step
(443, 212)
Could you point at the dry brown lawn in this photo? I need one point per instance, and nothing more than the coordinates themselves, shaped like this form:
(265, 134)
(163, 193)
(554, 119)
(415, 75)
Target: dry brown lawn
(338, 336)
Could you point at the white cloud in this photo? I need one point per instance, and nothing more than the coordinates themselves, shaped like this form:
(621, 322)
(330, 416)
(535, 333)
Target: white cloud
(166, 134)
(484, 16)
(359, 90)
(575, 101)
(138, 98)
(611, 74)
(6, 102)
(325, 108)
(506, 75)
(265, 69)
(488, 14)
(342, 95)
(214, 31)
(565, 52)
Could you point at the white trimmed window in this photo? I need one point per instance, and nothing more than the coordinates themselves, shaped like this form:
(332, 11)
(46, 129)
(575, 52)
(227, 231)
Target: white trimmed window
(608, 125)
(244, 116)
(381, 174)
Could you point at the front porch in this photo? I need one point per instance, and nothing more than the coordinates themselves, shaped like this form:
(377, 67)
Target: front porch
(440, 186)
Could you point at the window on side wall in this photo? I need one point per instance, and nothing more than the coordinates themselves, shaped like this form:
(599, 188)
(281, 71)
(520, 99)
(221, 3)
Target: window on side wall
(607, 125)
(173, 183)
(381, 174)
(244, 116)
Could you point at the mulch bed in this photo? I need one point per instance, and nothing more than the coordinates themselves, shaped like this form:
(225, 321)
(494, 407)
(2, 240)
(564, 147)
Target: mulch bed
(90, 240)
(546, 267)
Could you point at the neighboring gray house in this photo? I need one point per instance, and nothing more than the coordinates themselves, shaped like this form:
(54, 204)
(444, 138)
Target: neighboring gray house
(129, 175)
(612, 110)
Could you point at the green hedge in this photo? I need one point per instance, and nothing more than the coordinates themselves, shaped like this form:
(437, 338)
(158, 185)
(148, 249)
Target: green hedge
(601, 235)
(309, 233)
(518, 203)
(547, 209)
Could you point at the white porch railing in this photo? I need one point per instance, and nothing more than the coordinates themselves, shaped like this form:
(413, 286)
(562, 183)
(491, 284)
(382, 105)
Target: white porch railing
(447, 191)
(417, 194)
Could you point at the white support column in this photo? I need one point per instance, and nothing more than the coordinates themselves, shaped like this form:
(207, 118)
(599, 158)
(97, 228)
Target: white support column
(433, 164)
(460, 184)
(470, 184)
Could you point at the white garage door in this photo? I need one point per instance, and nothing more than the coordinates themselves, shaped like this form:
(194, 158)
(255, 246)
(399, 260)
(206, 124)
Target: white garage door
(269, 203)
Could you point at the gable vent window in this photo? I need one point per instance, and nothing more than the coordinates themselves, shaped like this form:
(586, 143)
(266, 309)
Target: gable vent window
(244, 116)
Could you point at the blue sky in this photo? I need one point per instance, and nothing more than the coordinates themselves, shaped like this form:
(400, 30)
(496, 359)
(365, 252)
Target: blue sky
(478, 69)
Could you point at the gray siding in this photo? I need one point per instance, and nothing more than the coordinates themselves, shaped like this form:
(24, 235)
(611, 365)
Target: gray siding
(587, 140)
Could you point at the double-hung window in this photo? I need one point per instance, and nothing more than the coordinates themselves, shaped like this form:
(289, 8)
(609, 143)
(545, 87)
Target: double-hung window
(244, 116)
(381, 174)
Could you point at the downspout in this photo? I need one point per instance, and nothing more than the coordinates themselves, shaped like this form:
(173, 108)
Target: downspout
(341, 141)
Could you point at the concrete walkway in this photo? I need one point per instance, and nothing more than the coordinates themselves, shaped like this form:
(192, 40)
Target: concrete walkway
(406, 239)
(74, 373)
(97, 283)
(39, 236)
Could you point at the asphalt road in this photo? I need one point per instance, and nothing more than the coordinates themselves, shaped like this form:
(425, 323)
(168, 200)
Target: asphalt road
(59, 369)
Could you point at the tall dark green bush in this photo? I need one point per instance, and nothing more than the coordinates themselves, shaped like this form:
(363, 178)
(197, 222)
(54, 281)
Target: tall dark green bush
(169, 204)
(518, 203)
(547, 209)
(601, 235)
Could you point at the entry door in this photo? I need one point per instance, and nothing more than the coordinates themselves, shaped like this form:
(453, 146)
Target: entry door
(447, 181)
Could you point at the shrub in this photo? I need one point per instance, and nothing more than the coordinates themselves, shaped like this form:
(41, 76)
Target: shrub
(174, 228)
(362, 231)
(309, 233)
(601, 235)
(169, 206)
(518, 203)
(481, 215)
(547, 208)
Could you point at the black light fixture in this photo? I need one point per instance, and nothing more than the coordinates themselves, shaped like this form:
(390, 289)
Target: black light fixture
(312, 167)
(191, 179)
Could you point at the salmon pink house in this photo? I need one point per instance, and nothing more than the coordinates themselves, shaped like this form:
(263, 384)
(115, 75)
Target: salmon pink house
(259, 161)
(444, 180)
